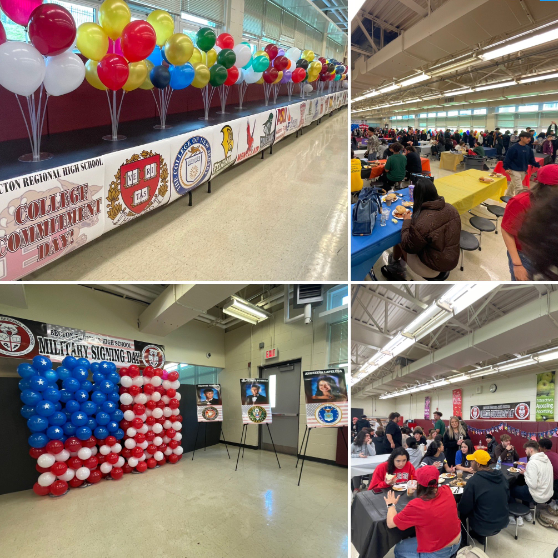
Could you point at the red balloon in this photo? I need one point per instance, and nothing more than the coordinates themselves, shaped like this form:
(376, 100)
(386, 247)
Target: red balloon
(151, 448)
(124, 424)
(281, 63)
(224, 40)
(59, 487)
(126, 468)
(139, 438)
(35, 453)
(126, 453)
(138, 41)
(75, 482)
(177, 417)
(151, 463)
(72, 444)
(150, 421)
(137, 423)
(160, 389)
(148, 371)
(55, 447)
(172, 392)
(42, 469)
(298, 75)
(148, 389)
(132, 390)
(171, 432)
(117, 473)
(20, 11)
(272, 50)
(3, 37)
(59, 468)
(173, 458)
(90, 442)
(150, 435)
(133, 370)
(158, 372)
(75, 463)
(161, 421)
(270, 75)
(42, 490)
(91, 462)
(137, 452)
(173, 444)
(123, 371)
(141, 467)
(232, 77)
(122, 390)
(113, 72)
(112, 458)
(94, 476)
(52, 29)
(175, 403)
(162, 447)
(100, 458)
(173, 376)
(161, 404)
(110, 440)
(138, 409)
(150, 405)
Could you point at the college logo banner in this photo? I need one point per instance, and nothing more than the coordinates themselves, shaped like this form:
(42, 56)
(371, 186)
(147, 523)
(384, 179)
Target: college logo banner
(191, 161)
(266, 128)
(210, 406)
(545, 396)
(21, 338)
(138, 182)
(281, 117)
(514, 411)
(225, 146)
(295, 115)
(254, 394)
(48, 214)
(248, 140)
(315, 108)
(327, 403)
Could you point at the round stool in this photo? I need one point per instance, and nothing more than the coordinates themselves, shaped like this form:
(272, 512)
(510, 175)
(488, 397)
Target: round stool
(469, 242)
(505, 199)
(482, 225)
(496, 210)
(518, 510)
(441, 277)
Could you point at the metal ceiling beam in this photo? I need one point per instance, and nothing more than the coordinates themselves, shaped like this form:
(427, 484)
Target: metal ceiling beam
(367, 35)
(357, 49)
(371, 317)
(381, 23)
(405, 295)
(415, 7)
(392, 302)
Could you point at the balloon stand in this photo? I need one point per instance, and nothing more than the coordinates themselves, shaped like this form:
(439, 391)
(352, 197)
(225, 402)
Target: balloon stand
(301, 90)
(223, 94)
(290, 87)
(320, 87)
(275, 90)
(207, 96)
(242, 87)
(34, 124)
(267, 90)
(162, 106)
(114, 108)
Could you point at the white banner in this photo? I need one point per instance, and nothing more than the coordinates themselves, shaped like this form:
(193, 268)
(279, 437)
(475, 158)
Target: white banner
(294, 118)
(224, 145)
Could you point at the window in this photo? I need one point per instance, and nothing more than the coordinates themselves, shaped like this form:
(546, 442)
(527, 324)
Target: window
(14, 32)
(479, 111)
(338, 343)
(528, 108)
(506, 109)
(453, 112)
(338, 296)
(191, 374)
(431, 115)
(422, 115)
(405, 117)
(465, 113)
(550, 106)
(411, 116)
(441, 114)
(399, 118)
(81, 14)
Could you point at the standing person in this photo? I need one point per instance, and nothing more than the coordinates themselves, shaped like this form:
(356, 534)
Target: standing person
(453, 438)
(517, 161)
(362, 423)
(354, 430)
(514, 138)
(374, 147)
(506, 140)
(548, 146)
(498, 142)
(462, 462)
(379, 441)
(553, 130)
(505, 451)
(395, 470)
(394, 438)
(546, 447)
(491, 445)
(414, 164)
(433, 514)
(415, 454)
(439, 424)
(485, 498)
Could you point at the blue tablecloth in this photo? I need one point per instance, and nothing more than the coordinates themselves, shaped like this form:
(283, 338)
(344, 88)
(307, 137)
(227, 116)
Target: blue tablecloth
(365, 250)
(490, 152)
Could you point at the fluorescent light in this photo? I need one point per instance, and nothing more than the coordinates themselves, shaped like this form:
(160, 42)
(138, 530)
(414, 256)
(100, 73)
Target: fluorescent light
(432, 97)
(546, 356)
(538, 78)
(453, 67)
(461, 296)
(518, 363)
(484, 372)
(495, 85)
(428, 320)
(454, 379)
(388, 89)
(415, 79)
(458, 92)
(243, 310)
(530, 42)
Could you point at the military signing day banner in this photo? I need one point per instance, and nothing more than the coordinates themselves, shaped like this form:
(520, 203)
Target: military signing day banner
(47, 214)
(254, 393)
(210, 405)
(21, 338)
(327, 403)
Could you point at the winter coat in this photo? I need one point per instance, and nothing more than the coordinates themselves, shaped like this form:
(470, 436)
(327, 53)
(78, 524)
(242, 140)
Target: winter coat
(434, 235)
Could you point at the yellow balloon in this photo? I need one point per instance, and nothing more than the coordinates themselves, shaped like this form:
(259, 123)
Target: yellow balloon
(313, 77)
(261, 53)
(178, 49)
(92, 41)
(308, 55)
(196, 57)
(91, 75)
(315, 66)
(147, 85)
(136, 76)
(163, 24)
(261, 80)
(114, 15)
(211, 57)
(279, 78)
(201, 79)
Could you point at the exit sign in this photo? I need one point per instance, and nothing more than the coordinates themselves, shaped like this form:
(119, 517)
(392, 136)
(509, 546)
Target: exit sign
(272, 353)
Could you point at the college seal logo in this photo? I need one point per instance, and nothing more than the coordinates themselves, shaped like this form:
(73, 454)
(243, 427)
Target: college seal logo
(16, 339)
(192, 165)
(522, 411)
(328, 414)
(210, 413)
(475, 412)
(152, 355)
(257, 414)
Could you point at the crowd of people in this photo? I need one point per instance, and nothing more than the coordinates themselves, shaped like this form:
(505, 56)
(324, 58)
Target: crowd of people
(484, 504)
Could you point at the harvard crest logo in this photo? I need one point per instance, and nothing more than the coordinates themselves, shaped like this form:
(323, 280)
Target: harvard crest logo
(257, 414)
(228, 146)
(210, 413)
(152, 355)
(192, 165)
(328, 414)
(16, 339)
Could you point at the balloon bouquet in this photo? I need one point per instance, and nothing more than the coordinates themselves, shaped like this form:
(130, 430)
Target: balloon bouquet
(227, 56)
(69, 417)
(116, 49)
(46, 63)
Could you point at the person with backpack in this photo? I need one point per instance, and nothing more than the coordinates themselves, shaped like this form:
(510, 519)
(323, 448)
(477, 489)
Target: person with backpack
(379, 440)
(514, 138)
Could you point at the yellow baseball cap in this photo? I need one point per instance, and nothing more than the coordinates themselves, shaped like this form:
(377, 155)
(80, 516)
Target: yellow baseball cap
(480, 456)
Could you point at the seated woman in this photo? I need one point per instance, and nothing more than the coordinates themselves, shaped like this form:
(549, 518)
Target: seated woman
(461, 461)
(430, 236)
(435, 456)
(433, 514)
(414, 164)
(398, 468)
(415, 454)
(362, 447)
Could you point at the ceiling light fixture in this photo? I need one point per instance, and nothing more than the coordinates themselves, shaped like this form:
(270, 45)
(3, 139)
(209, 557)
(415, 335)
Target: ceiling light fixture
(496, 85)
(388, 89)
(415, 79)
(538, 78)
(524, 44)
(244, 310)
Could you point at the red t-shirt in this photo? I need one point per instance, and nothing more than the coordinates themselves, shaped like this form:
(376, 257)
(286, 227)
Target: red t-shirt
(401, 475)
(514, 215)
(435, 521)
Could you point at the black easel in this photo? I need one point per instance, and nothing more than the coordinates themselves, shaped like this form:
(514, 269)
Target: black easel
(205, 440)
(243, 444)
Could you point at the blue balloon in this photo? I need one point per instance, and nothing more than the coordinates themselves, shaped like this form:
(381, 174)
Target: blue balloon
(83, 362)
(160, 76)
(114, 396)
(95, 367)
(51, 376)
(156, 57)
(81, 395)
(83, 433)
(119, 434)
(117, 416)
(109, 407)
(55, 432)
(45, 408)
(80, 373)
(66, 395)
(101, 432)
(98, 397)
(63, 372)
(106, 386)
(98, 378)
(71, 384)
(38, 383)
(104, 367)
(164, 56)
(112, 426)
(38, 440)
(30, 397)
(92, 423)
(41, 363)
(27, 411)
(103, 418)
(69, 429)
(25, 370)
(73, 406)
(57, 419)
(182, 76)
(70, 362)
(79, 418)
(24, 383)
(112, 367)
(37, 423)
(87, 385)
(89, 408)
(58, 406)
(114, 378)
(52, 394)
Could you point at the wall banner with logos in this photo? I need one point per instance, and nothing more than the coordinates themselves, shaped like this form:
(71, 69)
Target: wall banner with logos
(512, 411)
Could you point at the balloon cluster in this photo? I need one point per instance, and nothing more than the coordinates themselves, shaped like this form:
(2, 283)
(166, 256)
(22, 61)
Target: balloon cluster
(152, 420)
(48, 59)
(72, 419)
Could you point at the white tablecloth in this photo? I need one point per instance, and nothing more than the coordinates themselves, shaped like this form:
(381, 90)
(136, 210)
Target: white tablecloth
(359, 153)
(366, 465)
(424, 148)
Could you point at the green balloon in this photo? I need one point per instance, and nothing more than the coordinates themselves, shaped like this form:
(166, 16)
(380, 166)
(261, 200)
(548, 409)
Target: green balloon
(205, 39)
(337, 77)
(249, 64)
(260, 63)
(217, 75)
(226, 57)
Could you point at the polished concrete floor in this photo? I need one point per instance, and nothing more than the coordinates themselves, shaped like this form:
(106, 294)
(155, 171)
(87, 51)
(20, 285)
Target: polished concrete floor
(490, 264)
(194, 509)
(284, 218)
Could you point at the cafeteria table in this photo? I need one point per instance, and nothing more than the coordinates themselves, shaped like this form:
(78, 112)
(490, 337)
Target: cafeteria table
(425, 147)
(490, 152)
(366, 465)
(378, 170)
(449, 160)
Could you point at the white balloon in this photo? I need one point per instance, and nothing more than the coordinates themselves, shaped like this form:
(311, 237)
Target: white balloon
(156, 380)
(132, 461)
(126, 399)
(143, 445)
(156, 396)
(22, 68)
(345, 85)
(138, 381)
(157, 440)
(105, 467)
(251, 77)
(131, 432)
(168, 451)
(178, 450)
(104, 449)
(143, 429)
(47, 460)
(157, 413)
(140, 398)
(177, 425)
(142, 458)
(116, 448)
(167, 384)
(167, 424)
(83, 473)
(178, 437)
(46, 479)
(126, 381)
(166, 399)
(94, 450)
(129, 415)
(120, 462)
(157, 428)
(293, 54)
(158, 455)
(130, 443)
(176, 385)
(84, 453)
(68, 475)
(166, 439)
(243, 55)
(240, 76)
(64, 455)
(307, 88)
(148, 413)
(176, 411)
(64, 73)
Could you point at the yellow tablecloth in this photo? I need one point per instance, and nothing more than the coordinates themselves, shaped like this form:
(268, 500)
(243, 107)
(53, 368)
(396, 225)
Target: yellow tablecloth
(356, 179)
(449, 161)
(464, 191)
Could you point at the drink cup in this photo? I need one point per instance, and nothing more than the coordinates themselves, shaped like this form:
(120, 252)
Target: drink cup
(459, 474)
(411, 190)
(384, 218)
(411, 487)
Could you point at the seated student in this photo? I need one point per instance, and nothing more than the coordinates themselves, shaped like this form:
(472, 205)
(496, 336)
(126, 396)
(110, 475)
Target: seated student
(380, 441)
(395, 168)
(479, 150)
(430, 236)
(362, 447)
(433, 514)
(415, 454)
(490, 445)
(505, 451)
(461, 460)
(435, 456)
(387, 151)
(414, 164)
(485, 498)
(546, 447)
(398, 467)
(419, 436)
(431, 435)
(539, 480)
